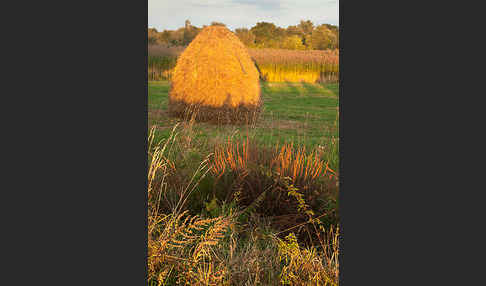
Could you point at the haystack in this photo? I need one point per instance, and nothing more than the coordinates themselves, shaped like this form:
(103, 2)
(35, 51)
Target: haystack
(215, 80)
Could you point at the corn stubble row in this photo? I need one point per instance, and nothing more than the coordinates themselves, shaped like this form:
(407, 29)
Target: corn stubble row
(275, 65)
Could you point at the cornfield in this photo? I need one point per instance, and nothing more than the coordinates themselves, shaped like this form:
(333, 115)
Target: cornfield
(275, 65)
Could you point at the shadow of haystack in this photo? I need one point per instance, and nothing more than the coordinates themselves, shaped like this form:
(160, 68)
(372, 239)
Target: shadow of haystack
(216, 80)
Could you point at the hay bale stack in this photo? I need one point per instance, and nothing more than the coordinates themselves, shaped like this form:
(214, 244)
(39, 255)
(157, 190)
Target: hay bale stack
(215, 80)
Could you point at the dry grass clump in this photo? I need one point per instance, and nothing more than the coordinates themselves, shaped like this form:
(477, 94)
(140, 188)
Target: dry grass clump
(216, 79)
(236, 245)
(306, 266)
(180, 246)
(185, 245)
(286, 184)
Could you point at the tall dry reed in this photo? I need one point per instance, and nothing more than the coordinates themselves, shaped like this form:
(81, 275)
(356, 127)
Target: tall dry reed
(275, 65)
(278, 65)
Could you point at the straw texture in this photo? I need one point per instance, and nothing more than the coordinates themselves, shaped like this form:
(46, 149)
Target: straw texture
(216, 80)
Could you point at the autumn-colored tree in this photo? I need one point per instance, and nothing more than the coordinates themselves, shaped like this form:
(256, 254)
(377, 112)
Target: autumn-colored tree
(294, 30)
(245, 36)
(190, 32)
(323, 38)
(266, 34)
(307, 40)
(306, 27)
(333, 28)
(217, 24)
(263, 35)
(293, 42)
(164, 37)
(152, 36)
(177, 37)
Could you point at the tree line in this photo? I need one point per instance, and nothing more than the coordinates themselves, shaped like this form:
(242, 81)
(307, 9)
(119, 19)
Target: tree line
(303, 36)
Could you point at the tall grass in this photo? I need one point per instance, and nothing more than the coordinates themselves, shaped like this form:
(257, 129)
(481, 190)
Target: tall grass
(275, 65)
(161, 67)
(235, 245)
(161, 61)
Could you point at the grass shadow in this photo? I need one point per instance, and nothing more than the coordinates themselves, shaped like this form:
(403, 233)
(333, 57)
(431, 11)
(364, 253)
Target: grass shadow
(264, 87)
(293, 89)
(310, 88)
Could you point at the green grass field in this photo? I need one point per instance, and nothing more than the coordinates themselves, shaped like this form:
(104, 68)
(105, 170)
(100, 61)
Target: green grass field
(302, 113)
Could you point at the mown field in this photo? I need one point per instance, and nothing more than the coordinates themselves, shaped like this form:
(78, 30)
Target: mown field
(303, 113)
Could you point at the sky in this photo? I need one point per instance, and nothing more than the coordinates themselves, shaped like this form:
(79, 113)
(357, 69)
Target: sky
(172, 14)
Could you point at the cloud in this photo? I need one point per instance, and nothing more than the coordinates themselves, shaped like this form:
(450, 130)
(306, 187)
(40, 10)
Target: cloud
(210, 4)
(261, 4)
